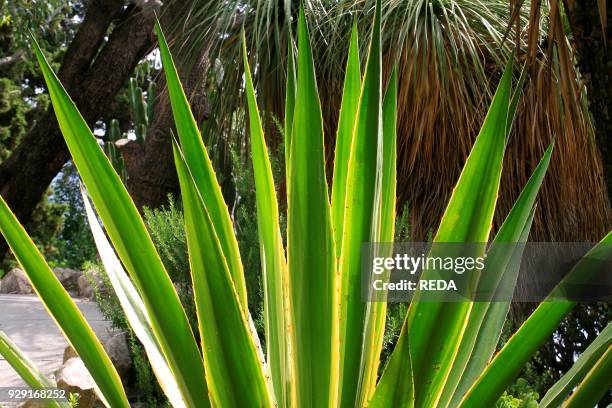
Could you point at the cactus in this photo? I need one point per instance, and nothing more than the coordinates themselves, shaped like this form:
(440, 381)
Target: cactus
(112, 135)
(141, 111)
(151, 93)
(141, 108)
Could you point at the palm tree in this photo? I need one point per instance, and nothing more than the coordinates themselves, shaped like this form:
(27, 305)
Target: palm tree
(590, 23)
(451, 58)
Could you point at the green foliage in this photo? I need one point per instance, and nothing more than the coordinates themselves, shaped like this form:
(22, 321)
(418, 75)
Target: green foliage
(46, 224)
(52, 20)
(74, 242)
(396, 313)
(166, 226)
(13, 122)
(167, 229)
(402, 226)
(73, 399)
(106, 299)
(306, 290)
(143, 379)
(519, 395)
(573, 335)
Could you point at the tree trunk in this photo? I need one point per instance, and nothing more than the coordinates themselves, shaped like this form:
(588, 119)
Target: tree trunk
(594, 58)
(92, 78)
(151, 172)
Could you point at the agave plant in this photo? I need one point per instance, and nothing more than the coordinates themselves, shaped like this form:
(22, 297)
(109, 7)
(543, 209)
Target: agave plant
(323, 342)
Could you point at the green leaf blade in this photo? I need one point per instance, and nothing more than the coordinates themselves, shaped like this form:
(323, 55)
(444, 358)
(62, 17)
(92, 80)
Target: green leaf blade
(133, 306)
(63, 310)
(486, 322)
(234, 371)
(132, 242)
(501, 270)
(360, 211)
(26, 369)
(595, 384)
(508, 362)
(375, 315)
(289, 105)
(562, 388)
(344, 136)
(435, 329)
(389, 171)
(310, 245)
(274, 266)
(395, 389)
(200, 165)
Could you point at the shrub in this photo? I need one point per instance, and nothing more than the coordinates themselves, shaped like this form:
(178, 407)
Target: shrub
(166, 227)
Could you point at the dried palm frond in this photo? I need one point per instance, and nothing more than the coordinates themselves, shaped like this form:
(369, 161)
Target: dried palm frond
(554, 106)
(450, 56)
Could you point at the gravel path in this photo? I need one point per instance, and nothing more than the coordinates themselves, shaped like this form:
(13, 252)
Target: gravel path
(25, 320)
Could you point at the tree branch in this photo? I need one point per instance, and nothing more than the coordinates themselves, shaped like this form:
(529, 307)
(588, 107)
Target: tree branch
(92, 83)
(10, 59)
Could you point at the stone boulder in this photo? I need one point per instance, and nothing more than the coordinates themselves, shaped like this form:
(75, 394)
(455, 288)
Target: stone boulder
(16, 282)
(69, 278)
(69, 353)
(119, 352)
(89, 283)
(32, 403)
(73, 377)
(85, 288)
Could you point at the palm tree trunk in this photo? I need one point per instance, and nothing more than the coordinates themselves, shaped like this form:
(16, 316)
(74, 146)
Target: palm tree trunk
(594, 59)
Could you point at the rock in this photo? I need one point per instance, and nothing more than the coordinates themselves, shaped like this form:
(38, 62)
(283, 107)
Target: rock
(119, 352)
(85, 288)
(31, 403)
(89, 283)
(16, 282)
(69, 353)
(68, 278)
(73, 377)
